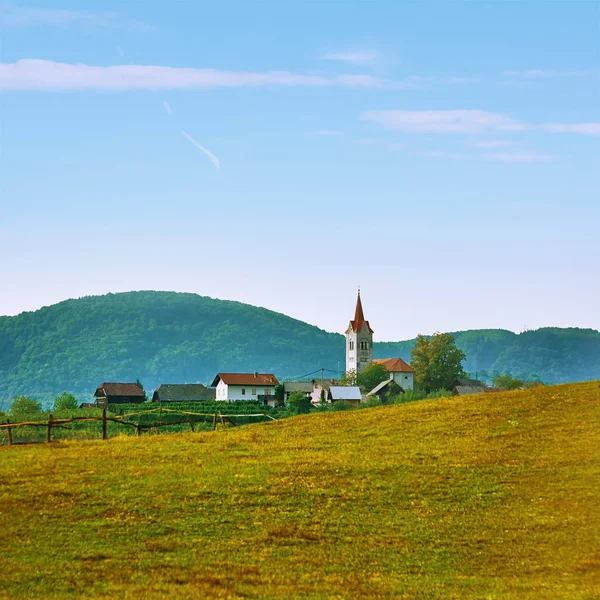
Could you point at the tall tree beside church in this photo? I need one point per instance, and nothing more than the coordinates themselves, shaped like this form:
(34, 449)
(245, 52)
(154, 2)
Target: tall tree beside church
(437, 361)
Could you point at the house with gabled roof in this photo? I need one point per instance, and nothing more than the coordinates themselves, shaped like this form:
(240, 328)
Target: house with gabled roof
(349, 393)
(183, 392)
(245, 386)
(119, 393)
(400, 371)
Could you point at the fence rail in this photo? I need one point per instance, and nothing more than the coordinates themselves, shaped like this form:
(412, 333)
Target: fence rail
(51, 422)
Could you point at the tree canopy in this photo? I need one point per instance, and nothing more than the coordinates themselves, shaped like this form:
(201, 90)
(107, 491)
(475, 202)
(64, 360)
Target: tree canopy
(437, 361)
(372, 376)
(65, 401)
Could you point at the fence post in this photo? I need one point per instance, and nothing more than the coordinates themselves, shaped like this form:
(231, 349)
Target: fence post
(49, 429)
(104, 436)
(9, 431)
(138, 429)
(215, 422)
(191, 424)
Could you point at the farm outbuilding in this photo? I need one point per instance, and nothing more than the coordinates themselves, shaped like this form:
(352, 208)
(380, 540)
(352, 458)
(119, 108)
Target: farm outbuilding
(119, 393)
(183, 392)
(349, 393)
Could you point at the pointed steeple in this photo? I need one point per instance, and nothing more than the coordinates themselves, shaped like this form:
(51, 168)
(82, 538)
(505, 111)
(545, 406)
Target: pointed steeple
(359, 317)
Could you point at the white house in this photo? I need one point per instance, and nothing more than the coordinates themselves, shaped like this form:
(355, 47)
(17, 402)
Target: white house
(245, 386)
(400, 371)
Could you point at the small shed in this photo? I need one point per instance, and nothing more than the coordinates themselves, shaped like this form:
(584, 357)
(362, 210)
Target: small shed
(349, 393)
(183, 392)
(119, 393)
(466, 390)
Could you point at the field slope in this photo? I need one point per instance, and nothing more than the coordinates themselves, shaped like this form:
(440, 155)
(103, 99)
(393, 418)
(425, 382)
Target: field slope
(492, 496)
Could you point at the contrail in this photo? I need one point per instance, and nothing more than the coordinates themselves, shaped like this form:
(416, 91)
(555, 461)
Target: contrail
(208, 153)
(167, 107)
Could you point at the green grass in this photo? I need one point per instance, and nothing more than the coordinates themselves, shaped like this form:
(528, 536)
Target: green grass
(492, 496)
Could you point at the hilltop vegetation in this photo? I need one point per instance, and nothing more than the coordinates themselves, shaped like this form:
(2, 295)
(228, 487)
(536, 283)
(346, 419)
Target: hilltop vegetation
(491, 496)
(167, 337)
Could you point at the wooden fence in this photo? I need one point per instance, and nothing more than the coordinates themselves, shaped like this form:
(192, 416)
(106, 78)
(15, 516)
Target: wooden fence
(51, 423)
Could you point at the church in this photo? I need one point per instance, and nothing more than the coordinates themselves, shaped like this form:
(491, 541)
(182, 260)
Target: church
(359, 351)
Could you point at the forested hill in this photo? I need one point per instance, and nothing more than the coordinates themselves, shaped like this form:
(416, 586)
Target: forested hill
(168, 337)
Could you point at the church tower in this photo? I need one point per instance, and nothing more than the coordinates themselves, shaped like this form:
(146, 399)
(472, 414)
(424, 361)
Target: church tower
(359, 341)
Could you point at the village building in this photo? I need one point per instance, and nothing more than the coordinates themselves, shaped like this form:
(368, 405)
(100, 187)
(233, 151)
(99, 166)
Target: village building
(400, 371)
(183, 392)
(245, 386)
(349, 393)
(359, 351)
(359, 341)
(311, 389)
(385, 390)
(119, 393)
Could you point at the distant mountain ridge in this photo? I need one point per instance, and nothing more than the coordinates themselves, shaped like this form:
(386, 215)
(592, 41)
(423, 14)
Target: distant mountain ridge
(170, 337)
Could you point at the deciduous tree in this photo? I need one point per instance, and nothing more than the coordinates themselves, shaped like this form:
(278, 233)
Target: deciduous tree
(22, 405)
(372, 376)
(65, 401)
(437, 361)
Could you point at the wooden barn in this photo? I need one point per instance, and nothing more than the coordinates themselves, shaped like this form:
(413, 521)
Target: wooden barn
(119, 393)
(183, 392)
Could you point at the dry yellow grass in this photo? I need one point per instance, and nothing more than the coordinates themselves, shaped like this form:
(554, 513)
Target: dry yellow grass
(492, 496)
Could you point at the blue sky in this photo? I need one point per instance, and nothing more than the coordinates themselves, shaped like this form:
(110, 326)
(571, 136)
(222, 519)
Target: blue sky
(443, 156)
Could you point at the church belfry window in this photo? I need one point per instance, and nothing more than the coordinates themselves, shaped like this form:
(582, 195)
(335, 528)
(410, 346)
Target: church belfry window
(351, 345)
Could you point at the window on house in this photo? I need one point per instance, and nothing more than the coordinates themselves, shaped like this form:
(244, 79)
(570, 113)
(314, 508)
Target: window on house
(254, 391)
(406, 377)
(267, 392)
(243, 391)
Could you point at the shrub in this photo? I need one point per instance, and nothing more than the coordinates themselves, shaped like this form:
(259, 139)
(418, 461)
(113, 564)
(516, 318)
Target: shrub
(342, 405)
(298, 403)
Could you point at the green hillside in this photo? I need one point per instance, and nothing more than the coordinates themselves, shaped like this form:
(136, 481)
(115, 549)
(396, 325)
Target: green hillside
(491, 496)
(168, 337)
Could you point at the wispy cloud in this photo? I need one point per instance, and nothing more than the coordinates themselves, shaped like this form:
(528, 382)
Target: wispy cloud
(582, 128)
(521, 157)
(547, 73)
(38, 74)
(359, 58)
(325, 133)
(442, 121)
(492, 144)
(167, 107)
(208, 153)
(442, 154)
(16, 15)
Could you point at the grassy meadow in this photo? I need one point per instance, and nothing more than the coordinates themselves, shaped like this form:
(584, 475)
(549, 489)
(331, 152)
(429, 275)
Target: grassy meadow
(491, 496)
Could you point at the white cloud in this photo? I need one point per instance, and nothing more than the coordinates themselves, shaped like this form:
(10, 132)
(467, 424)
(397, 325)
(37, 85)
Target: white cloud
(15, 15)
(167, 107)
(208, 153)
(547, 73)
(38, 74)
(442, 121)
(325, 133)
(521, 157)
(360, 58)
(492, 144)
(583, 128)
(441, 154)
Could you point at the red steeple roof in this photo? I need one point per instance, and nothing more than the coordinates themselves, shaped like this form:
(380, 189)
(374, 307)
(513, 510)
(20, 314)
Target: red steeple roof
(359, 317)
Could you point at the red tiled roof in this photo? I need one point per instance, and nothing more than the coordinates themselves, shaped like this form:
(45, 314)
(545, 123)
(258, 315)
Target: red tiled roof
(119, 389)
(359, 317)
(394, 365)
(246, 379)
